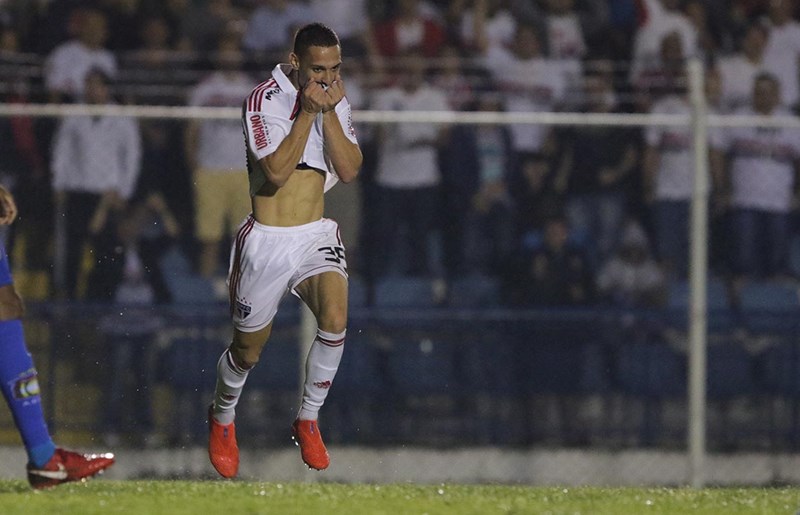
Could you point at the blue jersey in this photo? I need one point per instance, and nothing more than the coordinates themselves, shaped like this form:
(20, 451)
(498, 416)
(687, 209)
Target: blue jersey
(5, 269)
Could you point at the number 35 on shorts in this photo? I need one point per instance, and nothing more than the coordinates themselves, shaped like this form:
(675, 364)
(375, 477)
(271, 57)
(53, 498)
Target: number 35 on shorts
(333, 253)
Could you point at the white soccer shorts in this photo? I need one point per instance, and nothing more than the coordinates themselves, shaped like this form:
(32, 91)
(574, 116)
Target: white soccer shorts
(267, 262)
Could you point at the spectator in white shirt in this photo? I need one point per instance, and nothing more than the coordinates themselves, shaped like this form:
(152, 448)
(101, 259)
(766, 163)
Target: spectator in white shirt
(668, 181)
(763, 163)
(214, 153)
(530, 82)
(66, 67)
(738, 71)
(661, 17)
(564, 33)
(486, 23)
(273, 23)
(350, 19)
(96, 162)
(782, 55)
(408, 174)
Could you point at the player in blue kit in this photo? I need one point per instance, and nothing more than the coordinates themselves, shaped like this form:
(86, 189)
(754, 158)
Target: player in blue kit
(48, 465)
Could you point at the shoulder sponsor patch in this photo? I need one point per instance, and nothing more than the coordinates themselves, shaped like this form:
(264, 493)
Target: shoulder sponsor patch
(259, 131)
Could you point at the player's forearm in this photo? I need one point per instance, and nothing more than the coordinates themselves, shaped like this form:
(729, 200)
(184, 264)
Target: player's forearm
(279, 165)
(345, 155)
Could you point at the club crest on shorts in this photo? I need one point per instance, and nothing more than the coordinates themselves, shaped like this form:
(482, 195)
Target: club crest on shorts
(243, 308)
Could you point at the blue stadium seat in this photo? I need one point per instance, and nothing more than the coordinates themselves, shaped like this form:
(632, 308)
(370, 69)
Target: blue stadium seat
(716, 292)
(778, 374)
(474, 291)
(404, 292)
(421, 367)
(769, 307)
(185, 286)
(650, 373)
(278, 368)
(730, 371)
(769, 296)
(779, 369)
(720, 314)
(362, 370)
(358, 294)
(650, 370)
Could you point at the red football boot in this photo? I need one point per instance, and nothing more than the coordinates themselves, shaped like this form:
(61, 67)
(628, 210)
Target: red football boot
(66, 466)
(305, 433)
(222, 448)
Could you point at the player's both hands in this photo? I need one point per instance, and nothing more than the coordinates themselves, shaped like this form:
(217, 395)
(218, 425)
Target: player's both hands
(319, 97)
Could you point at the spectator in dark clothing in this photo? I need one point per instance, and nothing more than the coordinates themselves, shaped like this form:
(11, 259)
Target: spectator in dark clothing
(477, 206)
(599, 161)
(129, 244)
(555, 274)
(537, 194)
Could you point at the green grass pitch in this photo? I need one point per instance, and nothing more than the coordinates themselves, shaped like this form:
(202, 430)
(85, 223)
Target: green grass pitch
(240, 497)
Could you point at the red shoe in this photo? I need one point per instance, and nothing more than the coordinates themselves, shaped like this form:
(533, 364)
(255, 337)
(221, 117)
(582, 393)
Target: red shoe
(222, 448)
(66, 466)
(305, 433)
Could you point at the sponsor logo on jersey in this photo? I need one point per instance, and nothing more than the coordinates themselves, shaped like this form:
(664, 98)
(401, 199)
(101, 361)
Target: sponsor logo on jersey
(260, 134)
(323, 384)
(270, 92)
(26, 386)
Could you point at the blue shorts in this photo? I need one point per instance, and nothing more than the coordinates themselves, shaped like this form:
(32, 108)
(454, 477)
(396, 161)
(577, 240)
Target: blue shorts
(5, 269)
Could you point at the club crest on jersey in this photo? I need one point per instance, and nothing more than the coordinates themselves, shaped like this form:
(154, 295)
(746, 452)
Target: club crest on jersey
(26, 386)
(243, 309)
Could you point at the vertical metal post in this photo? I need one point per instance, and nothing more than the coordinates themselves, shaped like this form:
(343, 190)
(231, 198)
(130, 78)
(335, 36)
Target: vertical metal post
(698, 274)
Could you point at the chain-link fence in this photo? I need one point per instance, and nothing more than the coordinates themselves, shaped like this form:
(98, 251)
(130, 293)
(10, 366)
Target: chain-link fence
(523, 285)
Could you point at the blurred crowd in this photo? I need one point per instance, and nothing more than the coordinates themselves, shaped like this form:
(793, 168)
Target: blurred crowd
(563, 216)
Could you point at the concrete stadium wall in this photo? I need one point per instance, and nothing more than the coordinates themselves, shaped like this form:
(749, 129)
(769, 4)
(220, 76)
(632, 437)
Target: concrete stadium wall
(470, 466)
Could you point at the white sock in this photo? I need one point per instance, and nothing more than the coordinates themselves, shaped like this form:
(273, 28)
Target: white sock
(321, 366)
(230, 381)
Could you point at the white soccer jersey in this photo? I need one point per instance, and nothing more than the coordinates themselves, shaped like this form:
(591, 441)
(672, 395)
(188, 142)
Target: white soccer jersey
(268, 115)
(675, 177)
(219, 145)
(762, 165)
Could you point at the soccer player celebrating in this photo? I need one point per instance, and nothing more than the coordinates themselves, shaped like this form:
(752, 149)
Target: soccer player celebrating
(300, 141)
(47, 465)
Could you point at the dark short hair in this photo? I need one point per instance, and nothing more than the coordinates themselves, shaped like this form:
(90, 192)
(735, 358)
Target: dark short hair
(766, 76)
(314, 34)
(102, 74)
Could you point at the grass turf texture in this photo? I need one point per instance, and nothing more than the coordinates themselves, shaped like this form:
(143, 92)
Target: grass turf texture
(240, 497)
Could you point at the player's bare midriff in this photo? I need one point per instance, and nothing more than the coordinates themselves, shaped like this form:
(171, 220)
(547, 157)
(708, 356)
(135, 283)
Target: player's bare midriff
(299, 201)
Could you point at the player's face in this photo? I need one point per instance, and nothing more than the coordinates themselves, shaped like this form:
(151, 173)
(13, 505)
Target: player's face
(321, 64)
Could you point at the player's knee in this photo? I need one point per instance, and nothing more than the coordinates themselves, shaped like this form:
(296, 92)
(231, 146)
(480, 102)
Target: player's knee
(333, 322)
(11, 305)
(244, 357)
